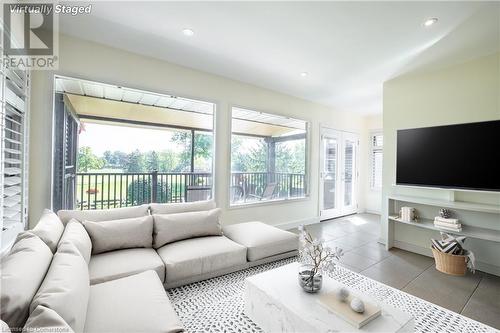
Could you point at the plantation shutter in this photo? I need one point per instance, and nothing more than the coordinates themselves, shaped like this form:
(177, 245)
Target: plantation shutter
(376, 160)
(14, 125)
(65, 155)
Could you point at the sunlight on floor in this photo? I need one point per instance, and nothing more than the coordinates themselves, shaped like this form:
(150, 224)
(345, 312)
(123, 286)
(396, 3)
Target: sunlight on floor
(357, 220)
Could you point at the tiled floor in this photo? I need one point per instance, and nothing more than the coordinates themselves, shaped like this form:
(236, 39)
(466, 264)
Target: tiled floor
(476, 296)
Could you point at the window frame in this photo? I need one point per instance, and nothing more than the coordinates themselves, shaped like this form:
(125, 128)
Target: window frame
(307, 175)
(373, 150)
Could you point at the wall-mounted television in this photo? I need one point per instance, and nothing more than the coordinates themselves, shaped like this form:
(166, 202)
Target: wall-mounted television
(462, 156)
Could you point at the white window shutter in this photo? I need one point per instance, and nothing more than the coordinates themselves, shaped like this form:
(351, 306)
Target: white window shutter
(377, 141)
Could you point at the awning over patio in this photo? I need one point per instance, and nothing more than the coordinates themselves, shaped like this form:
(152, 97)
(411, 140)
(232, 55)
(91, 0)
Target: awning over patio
(101, 102)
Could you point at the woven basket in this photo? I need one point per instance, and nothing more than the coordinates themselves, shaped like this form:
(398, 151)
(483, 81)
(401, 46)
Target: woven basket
(450, 263)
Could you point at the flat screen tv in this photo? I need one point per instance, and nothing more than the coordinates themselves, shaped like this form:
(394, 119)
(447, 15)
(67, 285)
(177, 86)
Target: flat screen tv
(463, 156)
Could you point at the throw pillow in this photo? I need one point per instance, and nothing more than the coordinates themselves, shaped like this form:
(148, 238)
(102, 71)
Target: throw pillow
(66, 287)
(49, 228)
(169, 228)
(76, 234)
(23, 270)
(120, 234)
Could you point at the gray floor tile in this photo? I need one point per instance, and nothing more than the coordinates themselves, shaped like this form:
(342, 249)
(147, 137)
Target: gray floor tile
(415, 260)
(484, 304)
(356, 260)
(394, 274)
(365, 236)
(373, 251)
(448, 291)
(352, 241)
(354, 269)
(335, 243)
(325, 230)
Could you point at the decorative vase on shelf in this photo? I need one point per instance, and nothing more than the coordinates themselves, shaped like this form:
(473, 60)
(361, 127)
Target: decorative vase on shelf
(309, 279)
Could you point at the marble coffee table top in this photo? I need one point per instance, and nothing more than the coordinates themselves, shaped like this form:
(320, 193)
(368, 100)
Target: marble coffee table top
(275, 301)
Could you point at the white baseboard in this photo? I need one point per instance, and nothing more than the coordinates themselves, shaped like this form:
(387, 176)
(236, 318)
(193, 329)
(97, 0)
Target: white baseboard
(369, 211)
(295, 224)
(481, 266)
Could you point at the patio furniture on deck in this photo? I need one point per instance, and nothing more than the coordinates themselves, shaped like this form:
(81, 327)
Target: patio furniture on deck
(268, 193)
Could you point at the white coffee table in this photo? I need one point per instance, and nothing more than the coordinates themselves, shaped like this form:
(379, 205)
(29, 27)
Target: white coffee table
(275, 302)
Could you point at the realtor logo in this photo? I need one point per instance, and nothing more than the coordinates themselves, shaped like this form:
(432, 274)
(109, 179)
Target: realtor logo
(29, 29)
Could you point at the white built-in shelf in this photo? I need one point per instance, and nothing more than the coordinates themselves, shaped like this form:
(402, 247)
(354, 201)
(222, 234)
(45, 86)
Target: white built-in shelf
(468, 231)
(476, 207)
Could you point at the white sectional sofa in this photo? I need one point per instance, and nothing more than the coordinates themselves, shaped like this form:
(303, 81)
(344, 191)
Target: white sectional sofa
(110, 268)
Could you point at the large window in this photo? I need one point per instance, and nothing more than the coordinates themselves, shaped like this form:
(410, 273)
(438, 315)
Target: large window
(377, 144)
(132, 147)
(268, 157)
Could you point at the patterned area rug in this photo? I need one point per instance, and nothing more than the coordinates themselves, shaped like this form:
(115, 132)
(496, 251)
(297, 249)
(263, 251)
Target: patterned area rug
(217, 305)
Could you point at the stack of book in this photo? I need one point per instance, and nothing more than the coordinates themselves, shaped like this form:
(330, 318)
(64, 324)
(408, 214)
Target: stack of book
(447, 224)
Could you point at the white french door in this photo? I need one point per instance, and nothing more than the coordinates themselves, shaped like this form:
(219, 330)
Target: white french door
(338, 173)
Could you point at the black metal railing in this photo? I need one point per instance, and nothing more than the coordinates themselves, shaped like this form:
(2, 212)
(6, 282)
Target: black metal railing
(248, 186)
(113, 190)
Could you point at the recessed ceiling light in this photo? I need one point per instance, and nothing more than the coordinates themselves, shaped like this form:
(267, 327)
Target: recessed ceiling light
(430, 21)
(304, 74)
(188, 32)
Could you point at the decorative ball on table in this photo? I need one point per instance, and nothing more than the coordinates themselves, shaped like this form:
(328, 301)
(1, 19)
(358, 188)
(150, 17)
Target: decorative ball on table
(357, 305)
(445, 213)
(341, 294)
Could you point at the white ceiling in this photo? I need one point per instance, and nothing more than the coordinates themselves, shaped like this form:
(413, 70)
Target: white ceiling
(348, 48)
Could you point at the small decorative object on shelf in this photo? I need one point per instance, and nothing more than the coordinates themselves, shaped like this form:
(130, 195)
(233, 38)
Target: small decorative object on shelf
(408, 214)
(315, 258)
(357, 305)
(445, 222)
(445, 213)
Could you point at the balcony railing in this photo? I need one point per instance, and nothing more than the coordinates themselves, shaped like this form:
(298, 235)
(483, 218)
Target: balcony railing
(113, 190)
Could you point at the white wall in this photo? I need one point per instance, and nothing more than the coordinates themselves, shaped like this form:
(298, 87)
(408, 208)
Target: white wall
(97, 62)
(463, 93)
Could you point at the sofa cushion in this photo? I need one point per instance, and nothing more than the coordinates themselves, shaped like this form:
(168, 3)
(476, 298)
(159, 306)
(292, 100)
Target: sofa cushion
(103, 214)
(76, 234)
(22, 273)
(197, 256)
(43, 319)
(117, 264)
(66, 287)
(120, 234)
(4, 328)
(262, 240)
(174, 208)
(169, 228)
(49, 228)
(137, 303)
